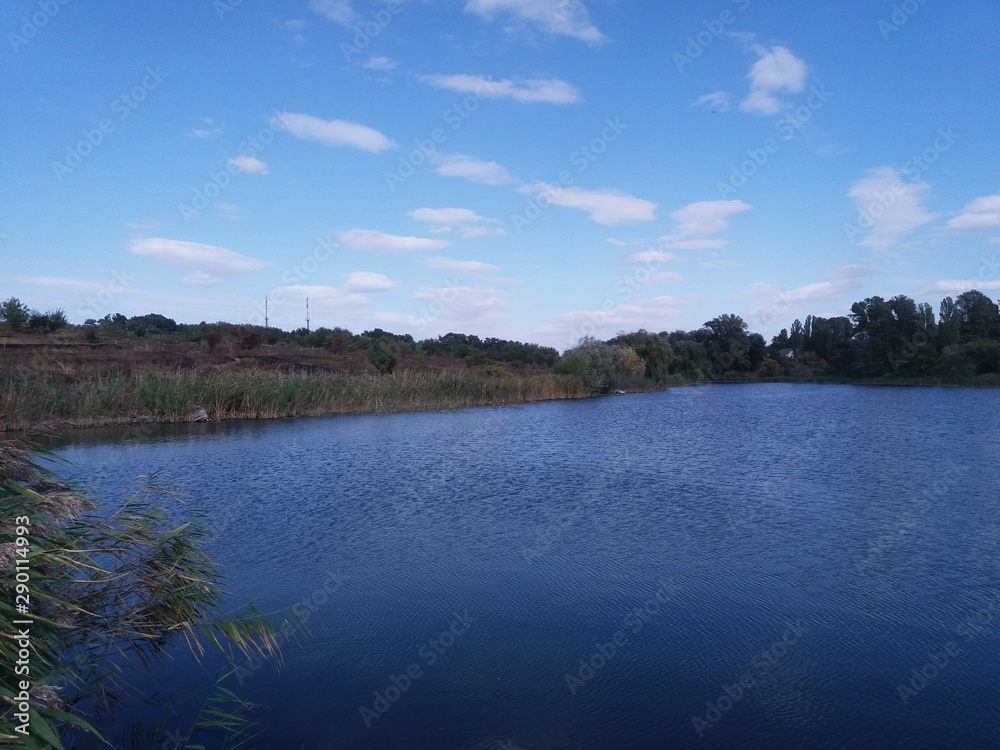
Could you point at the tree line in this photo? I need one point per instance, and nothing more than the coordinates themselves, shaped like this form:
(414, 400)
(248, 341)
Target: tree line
(880, 338)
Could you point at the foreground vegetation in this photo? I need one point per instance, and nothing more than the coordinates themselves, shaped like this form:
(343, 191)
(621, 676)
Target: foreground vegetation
(180, 396)
(151, 368)
(105, 592)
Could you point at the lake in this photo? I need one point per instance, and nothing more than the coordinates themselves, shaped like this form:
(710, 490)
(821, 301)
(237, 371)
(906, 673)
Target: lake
(728, 566)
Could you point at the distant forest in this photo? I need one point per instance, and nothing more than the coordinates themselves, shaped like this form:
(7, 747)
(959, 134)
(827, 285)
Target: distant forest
(884, 339)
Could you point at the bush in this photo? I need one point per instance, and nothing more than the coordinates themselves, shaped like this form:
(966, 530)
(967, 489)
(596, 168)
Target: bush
(381, 358)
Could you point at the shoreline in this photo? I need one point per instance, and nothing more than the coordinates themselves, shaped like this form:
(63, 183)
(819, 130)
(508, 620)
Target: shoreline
(377, 405)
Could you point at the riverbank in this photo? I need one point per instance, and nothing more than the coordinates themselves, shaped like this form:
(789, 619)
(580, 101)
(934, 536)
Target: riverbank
(136, 398)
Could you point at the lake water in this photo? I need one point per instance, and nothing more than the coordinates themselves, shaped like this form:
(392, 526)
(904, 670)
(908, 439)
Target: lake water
(744, 566)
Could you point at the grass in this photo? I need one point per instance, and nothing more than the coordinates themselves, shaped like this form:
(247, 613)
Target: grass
(107, 589)
(102, 399)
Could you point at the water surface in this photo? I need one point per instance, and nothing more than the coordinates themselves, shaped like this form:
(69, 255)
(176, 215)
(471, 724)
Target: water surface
(755, 566)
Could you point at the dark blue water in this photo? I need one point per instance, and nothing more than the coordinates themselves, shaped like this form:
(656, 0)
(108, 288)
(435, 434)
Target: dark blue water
(758, 566)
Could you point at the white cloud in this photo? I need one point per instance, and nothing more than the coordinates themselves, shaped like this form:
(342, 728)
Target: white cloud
(461, 266)
(468, 223)
(209, 263)
(335, 132)
(960, 286)
(717, 100)
(610, 207)
(62, 283)
(696, 221)
(447, 216)
(321, 296)
(249, 164)
(380, 242)
(547, 90)
(652, 314)
(484, 172)
(369, 281)
(982, 213)
(380, 63)
(888, 208)
(842, 281)
(465, 304)
(648, 256)
(338, 11)
(201, 278)
(563, 17)
(777, 70)
(210, 129)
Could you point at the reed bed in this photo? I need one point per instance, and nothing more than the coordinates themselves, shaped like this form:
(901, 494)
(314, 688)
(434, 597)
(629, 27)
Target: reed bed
(109, 399)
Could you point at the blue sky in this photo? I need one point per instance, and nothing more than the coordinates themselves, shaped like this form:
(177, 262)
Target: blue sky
(530, 169)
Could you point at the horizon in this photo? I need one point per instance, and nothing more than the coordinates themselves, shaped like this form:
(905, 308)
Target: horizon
(531, 170)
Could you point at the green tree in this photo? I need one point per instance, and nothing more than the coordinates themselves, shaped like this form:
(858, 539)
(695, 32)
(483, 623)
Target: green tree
(14, 313)
(979, 316)
(381, 357)
(728, 343)
(595, 362)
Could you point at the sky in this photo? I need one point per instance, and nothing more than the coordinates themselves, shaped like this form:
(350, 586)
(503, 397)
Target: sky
(537, 170)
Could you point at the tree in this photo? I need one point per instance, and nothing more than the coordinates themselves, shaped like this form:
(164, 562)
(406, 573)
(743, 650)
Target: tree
(595, 362)
(728, 343)
(979, 316)
(381, 357)
(630, 364)
(15, 313)
(654, 350)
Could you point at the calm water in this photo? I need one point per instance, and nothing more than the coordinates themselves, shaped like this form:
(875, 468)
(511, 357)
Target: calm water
(718, 567)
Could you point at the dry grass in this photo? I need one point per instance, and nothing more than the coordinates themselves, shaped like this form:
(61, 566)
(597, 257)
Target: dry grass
(107, 399)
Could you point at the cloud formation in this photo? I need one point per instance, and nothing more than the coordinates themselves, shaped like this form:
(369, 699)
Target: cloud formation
(334, 132)
(547, 90)
(982, 213)
(776, 71)
(468, 168)
(249, 164)
(717, 101)
(338, 11)
(461, 266)
(560, 17)
(609, 207)
(208, 263)
(888, 208)
(380, 242)
(467, 222)
(696, 222)
(369, 281)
